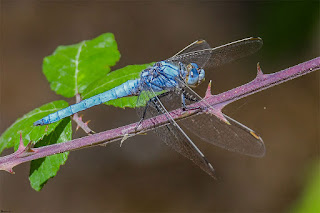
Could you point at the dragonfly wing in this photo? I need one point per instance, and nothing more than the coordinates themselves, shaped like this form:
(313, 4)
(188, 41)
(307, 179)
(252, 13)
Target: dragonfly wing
(172, 134)
(197, 45)
(233, 137)
(175, 137)
(214, 57)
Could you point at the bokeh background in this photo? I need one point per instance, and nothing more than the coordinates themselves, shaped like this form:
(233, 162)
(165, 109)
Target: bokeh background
(144, 175)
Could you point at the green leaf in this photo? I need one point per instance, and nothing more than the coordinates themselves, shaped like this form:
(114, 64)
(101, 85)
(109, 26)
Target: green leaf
(114, 79)
(11, 137)
(41, 170)
(70, 69)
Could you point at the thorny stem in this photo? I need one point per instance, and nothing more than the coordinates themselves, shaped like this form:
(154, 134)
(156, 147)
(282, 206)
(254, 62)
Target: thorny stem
(261, 82)
(78, 119)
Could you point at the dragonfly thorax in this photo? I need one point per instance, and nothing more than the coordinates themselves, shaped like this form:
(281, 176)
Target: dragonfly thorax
(161, 76)
(165, 75)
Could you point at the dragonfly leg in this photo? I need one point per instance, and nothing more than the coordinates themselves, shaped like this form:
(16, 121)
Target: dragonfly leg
(185, 96)
(150, 101)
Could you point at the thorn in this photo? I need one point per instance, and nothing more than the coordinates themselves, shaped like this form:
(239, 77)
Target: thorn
(208, 92)
(21, 145)
(47, 127)
(10, 171)
(218, 114)
(259, 71)
(80, 119)
(86, 123)
(24, 150)
(125, 137)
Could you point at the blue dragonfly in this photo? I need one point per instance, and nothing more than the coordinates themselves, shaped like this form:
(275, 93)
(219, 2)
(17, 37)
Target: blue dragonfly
(168, 85)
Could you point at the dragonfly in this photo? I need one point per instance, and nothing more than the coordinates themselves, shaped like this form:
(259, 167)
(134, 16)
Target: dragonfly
(168, 85)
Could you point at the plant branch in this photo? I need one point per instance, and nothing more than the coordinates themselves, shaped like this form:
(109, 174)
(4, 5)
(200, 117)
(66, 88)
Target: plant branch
(78, 120)
(217, 102)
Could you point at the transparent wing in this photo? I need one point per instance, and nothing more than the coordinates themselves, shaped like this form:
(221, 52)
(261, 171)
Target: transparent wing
(172, 134)
(214, 57)
(234, 137)
(197, 45)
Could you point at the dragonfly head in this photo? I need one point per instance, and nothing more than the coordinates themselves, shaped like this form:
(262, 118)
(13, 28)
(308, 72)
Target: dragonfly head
(195, 75)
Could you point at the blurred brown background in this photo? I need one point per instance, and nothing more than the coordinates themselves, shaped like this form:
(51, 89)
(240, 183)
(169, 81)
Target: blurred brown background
(144, 175)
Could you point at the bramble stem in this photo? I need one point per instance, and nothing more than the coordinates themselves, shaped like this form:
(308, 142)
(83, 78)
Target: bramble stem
(261, 82)
(78, 120)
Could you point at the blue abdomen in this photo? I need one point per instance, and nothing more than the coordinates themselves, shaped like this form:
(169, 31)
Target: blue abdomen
(126, 89)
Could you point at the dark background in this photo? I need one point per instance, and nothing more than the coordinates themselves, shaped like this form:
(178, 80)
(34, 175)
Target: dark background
(144, 174)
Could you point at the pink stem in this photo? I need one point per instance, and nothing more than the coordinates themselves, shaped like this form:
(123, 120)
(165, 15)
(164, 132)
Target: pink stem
(78, 120)
(261, 82)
